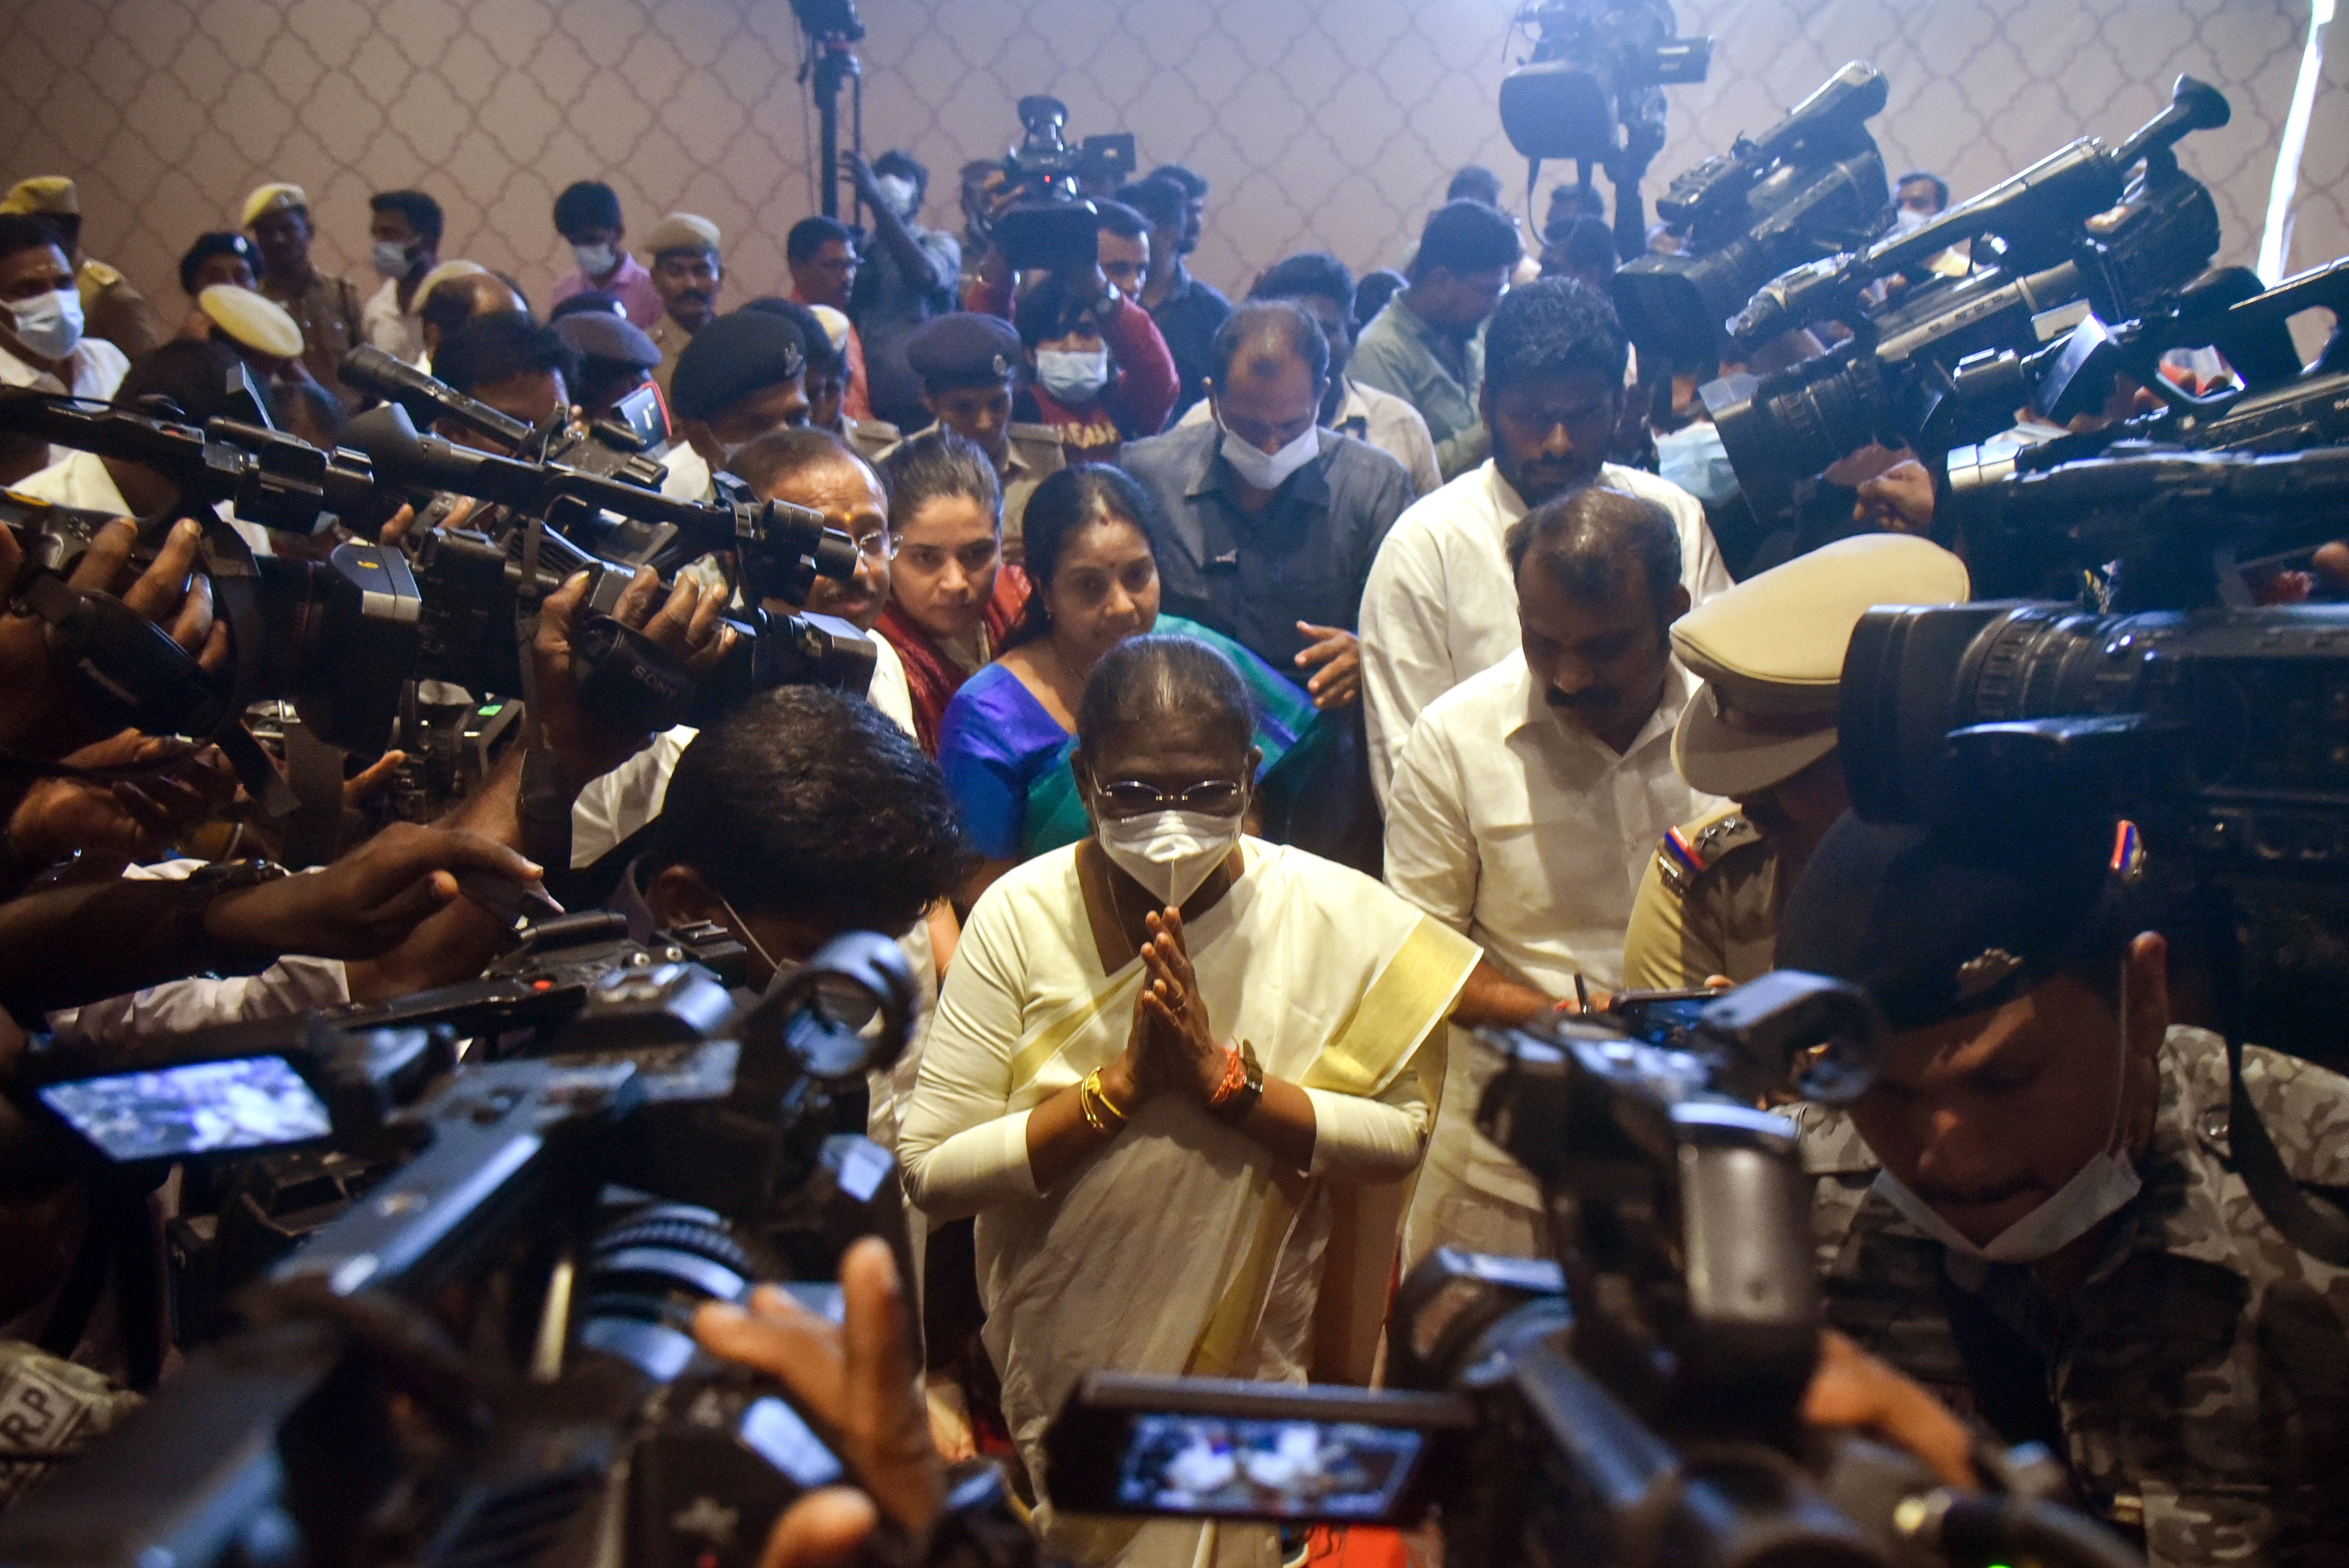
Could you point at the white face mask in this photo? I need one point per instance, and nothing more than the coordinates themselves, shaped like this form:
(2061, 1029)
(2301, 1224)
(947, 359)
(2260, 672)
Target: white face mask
(1260, 469)
(1169, 852)
(1072, 377)
(50, 326)
(594, 261)
(1907, 220)
(2096, 1191)
(391, 259)
(896, 194)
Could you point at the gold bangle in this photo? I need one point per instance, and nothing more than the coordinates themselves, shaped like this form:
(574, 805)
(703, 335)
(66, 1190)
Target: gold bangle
(1085, 1104)
(1102, 1093)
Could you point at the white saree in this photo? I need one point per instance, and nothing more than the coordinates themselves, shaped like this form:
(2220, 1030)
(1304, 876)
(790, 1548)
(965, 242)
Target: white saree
(1183, 1245)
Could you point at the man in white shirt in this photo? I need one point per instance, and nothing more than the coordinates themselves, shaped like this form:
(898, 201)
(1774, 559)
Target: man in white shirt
(1319, 284)
(1441, 603)
(1524, 806)
(405, 243)
(41, 341)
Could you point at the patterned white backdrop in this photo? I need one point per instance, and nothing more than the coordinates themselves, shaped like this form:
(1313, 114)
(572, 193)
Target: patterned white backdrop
(1333, 122)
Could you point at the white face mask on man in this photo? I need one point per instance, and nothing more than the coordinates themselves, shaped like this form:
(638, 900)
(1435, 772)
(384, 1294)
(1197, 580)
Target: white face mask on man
(896, 194)
(594, 261)
(2095, 1192)
(49, 324)
(1260, 469)
(391, 259)
(1169, 852)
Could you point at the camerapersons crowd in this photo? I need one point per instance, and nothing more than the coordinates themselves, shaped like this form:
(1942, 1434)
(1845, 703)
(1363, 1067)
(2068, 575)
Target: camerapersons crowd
(1267, 695)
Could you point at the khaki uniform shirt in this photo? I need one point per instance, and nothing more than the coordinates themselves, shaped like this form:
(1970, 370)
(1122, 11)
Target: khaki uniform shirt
(670, 339)
(330, 312)
(113, 310)
(2197, 1377)
(871, 439)
(1717, 917)
(1035, 457)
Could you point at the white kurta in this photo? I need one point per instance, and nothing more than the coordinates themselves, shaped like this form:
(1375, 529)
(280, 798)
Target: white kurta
(1530, 835)
(1439, 605)
(1181, 1245)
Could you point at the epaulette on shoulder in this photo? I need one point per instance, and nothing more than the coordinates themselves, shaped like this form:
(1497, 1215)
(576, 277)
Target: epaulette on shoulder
(101, 274)
(1686, 854)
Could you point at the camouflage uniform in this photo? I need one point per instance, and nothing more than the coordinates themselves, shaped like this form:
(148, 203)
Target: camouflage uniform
(2201, 1374)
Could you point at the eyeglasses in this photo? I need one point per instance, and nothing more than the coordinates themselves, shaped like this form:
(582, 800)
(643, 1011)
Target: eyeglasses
(874, 546)
(1132, 797)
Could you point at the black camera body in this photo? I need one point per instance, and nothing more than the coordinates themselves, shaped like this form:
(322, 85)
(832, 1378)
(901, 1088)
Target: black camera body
(1593, 77)
(1810, 186)
(1944, 363)
(1052, 225)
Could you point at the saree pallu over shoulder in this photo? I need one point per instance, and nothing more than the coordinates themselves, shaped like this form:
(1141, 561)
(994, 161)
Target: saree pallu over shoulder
(1166, 1251)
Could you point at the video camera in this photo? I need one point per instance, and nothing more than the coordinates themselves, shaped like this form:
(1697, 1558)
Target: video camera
(1635, 1402)
(1947, 362)
(1811, 185)
(485, 1354)
(1593, 77)
(339, 637)
(1051, 224)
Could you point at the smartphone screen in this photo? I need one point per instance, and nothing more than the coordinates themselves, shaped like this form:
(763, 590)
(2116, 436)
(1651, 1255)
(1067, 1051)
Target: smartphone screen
(1268, 1470)
(250, 1102)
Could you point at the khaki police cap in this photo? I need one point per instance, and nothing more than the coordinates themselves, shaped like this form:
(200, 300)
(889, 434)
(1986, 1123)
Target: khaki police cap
(279, 198)
(52, 194)
(257, 322)
(1769, 653)
(682, 231)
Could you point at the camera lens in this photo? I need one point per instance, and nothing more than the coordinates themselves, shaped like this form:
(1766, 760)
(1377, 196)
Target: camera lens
(644, 1276)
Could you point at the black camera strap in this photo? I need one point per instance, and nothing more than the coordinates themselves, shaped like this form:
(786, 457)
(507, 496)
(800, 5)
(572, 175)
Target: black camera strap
(236, 599)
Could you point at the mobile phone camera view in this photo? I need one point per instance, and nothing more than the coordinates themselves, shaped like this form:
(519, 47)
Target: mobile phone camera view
(1300, 1469)
(251, 1102)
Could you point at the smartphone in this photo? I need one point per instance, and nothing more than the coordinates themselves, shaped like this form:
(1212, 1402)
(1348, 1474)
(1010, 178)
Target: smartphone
(1661, 1017)
(1198, 1447)
(242, 1103)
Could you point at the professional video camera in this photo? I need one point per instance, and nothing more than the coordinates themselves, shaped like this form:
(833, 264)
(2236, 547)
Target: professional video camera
(487, 1357)
(1592, 90)
(337, 638)
(1947, 362)
(1051, 224)
(1810, 186)
(1635, 1403)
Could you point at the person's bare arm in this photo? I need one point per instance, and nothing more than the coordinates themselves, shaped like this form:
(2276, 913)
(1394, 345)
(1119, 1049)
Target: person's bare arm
(1493, 1000)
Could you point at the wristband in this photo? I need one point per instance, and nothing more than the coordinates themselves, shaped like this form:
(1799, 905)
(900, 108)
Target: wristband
(191, 936)
(1244, 1099)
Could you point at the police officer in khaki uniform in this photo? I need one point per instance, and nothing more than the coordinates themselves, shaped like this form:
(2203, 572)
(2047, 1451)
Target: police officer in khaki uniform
(326, 307)
(688, 272)
(1762, 732)
(111, 307)
(969, 365)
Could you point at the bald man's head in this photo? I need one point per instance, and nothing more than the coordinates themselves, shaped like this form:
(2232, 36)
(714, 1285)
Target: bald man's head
(454, 300)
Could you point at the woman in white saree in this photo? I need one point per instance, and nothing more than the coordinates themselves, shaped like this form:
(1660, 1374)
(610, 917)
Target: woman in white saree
(1176, 1073)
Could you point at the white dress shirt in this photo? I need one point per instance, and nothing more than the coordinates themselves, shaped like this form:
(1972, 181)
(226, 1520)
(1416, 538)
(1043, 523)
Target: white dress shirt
(1516, 827)
(398, 333)
(1439, 605)
(98, 369)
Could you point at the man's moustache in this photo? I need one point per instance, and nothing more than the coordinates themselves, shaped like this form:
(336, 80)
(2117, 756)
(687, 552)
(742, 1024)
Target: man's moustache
(1596, 698)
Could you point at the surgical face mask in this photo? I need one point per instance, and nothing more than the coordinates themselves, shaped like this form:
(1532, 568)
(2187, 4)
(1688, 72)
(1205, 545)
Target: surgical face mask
(1260, 469)
(1169, 852)
(1071, 376)
(896, 194)
(391, 258)
(594, 261)
(2097, 1191)
(1695, 459)
(1907, 220)
(49, 324)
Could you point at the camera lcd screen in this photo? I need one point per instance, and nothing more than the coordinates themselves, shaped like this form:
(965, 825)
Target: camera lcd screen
(252, 1102)
(1265, 1468)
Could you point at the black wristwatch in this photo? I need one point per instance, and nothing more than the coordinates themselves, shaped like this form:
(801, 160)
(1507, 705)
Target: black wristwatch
(203, 887)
